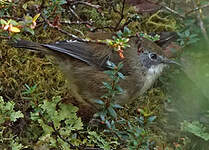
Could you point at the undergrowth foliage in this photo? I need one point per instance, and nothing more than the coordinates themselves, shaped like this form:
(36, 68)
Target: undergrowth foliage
(35, 112)
(127, 131)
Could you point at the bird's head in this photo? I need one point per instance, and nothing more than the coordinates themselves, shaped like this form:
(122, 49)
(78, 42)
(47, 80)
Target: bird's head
(150, 59)
(153, 65)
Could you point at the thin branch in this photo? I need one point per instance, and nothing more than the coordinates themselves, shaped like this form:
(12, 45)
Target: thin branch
(197, 8)
(173, 11)
(122, 15)
(76, 22)
(204, 32)
(74, 13)
(87, 4)
(63, 31)
(72, 35)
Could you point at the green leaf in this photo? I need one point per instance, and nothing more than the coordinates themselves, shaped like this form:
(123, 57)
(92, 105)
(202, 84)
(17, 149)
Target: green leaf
(107, 85)
(3, 22)
(195, 128)
(117, 106)
(9, 106)
(119, 34)
(108, 124)
(151, 118)
(113, 124)
(13, 22)
(112, 112)
(15, 115)
(31, 31)
(122, 121)
(98, 101)
(109, 72)
(120, 90)
(103, 115)
(110, 64)
(15, 145)
(187, 33)
(126, 31)
(120, 65)
(121, 75)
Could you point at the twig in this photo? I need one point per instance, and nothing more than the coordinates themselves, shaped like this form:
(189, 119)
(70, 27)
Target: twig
(172, 11)
(76, 22)
(72, 35)
(204, 32)
(87, 4)
(74, 13)
(63, 31)
(122, 15)
(197, 8)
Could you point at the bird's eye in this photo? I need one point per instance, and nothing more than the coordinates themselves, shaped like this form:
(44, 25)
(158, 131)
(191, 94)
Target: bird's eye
(153, 56)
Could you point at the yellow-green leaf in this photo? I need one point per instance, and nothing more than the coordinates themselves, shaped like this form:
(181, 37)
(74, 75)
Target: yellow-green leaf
(36, 17)
(14, 29)
(2, 21)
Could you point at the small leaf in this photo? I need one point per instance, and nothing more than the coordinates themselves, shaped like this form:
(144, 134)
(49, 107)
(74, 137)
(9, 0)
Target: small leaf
(187, 33)
(108, 124)
(15, 115)
(2, 21)
(121, 75)
(109, 72)
(29, 30)
(98, 101)
(103, 115)
(110, 64)
(117, 106)
(122, 121)
(14, 29)
(151, 118)
(113, 124)
(35, 17)
(119, 89)
(25, 6)
(13, 22)
(112, 112)
(120, 65)
(107, 85)
(126, 30)
(125, 40)
(119, 34)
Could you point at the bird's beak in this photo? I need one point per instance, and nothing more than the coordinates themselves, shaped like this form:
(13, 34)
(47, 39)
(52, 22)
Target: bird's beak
(168, 61)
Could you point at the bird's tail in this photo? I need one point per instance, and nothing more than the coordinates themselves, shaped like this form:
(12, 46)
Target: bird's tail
(28, 45)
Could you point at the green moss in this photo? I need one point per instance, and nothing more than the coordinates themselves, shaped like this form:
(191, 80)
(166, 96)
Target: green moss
(19, 67)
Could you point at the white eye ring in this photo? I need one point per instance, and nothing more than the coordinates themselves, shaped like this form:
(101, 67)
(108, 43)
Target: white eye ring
(153, 56)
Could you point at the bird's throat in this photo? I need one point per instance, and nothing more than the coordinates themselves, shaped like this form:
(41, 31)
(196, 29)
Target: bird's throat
(151, 76)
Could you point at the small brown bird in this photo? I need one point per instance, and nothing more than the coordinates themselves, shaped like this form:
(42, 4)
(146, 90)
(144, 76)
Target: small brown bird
(84, 63)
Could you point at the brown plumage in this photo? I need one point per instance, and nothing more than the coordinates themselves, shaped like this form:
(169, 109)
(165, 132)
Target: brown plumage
(84, 63)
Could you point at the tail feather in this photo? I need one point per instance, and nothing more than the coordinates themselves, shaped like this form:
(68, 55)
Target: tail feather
(28, 45)
(79, 50)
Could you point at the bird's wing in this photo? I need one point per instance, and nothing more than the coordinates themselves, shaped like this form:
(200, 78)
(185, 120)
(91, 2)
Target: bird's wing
(80, 50)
